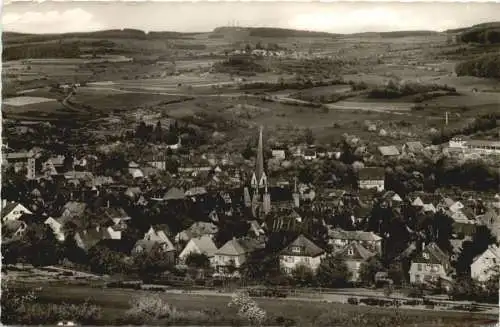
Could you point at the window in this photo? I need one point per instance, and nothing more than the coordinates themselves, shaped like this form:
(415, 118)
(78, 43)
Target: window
(426, 255)
(419, 267)
(296, 249)
(428, 267)
(350, 252)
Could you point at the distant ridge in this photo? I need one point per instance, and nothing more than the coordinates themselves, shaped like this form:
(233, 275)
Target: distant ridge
(271, 32)
(477, 26)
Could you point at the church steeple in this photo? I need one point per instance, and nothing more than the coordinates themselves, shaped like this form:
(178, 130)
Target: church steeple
(259, 178)
(295, 195)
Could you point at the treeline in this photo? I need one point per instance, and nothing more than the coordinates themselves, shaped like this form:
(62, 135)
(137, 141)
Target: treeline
(283, 32)
(481, 123)
(57, 50)
(239, 64)
(299, 84)
(482, 35)
(394, 90)
(484, 66)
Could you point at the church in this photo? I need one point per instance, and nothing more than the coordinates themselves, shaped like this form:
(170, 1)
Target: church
(257, 195)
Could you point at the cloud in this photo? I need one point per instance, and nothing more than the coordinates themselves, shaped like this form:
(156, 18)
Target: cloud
(72, 20)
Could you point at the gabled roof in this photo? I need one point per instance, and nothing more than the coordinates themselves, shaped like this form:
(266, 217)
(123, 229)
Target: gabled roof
(418, 202)
(10, 227)
(148, 245)
(74, 208)
(174, 194)
(353, 235)
(414, 146)
(240, 246)
(432, 254)
(306, 246)
(196, 191)
(390, 150)
(115, 213)
(90, 237)
(205, 244)
(9, 207)
(372, 173)
(355, 251)
(492, 251)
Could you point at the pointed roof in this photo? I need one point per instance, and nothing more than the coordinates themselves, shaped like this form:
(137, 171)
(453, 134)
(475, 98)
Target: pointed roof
(418, 202)
(306, 246)
(432, 253)
(232, 247)
(174, 194)
(259, 165)
(355, 251)
(205, 244)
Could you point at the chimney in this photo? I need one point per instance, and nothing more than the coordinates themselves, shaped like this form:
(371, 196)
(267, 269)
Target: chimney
(107, 204)
(4, 203)
(423, 245)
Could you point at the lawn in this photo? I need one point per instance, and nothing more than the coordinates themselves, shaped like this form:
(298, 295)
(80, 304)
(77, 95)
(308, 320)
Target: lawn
(115, 302)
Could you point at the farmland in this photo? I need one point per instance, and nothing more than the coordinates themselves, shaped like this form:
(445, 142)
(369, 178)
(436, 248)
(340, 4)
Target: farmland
(179, 78)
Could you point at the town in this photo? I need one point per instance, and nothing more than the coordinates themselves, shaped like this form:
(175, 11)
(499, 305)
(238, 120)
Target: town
(276, 189)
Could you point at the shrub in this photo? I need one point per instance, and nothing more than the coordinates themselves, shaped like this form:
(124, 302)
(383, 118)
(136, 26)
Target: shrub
(248, 308)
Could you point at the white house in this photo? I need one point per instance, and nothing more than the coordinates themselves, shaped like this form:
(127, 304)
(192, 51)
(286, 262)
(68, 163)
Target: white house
(301, 251)
(354, 255)
(279, 154)
(13, 210)
(372, 178)
(483, 266)
(234, 253)
(200, 245)
(339, 238)
(430, 265)
(475, 146)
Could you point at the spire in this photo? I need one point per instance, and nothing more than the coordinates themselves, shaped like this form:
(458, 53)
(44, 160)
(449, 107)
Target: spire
(259, 169)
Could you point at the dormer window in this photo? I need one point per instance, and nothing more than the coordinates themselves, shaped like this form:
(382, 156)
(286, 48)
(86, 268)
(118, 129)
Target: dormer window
(296, 249)
(350, 252)
(426, 255)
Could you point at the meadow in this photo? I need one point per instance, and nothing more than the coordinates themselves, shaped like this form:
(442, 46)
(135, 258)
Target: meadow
(115, 302)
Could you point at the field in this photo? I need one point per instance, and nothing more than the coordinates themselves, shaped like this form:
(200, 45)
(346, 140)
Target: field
(163, 72)
(25, 100)
(115, 302)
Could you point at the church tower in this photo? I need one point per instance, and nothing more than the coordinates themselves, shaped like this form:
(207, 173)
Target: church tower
(259, 178)
(266, 201)
(295, 195)
(246, 197)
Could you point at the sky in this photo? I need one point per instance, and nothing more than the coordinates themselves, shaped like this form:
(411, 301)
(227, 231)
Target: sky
(335, 17)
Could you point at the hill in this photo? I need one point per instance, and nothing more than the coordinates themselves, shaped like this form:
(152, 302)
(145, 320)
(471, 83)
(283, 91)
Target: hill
(486, 33)
(270, 32)
(395, 34)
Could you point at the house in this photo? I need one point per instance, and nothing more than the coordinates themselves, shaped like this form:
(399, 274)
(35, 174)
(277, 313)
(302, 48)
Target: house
(483, 266)
(413, 147)
(197, 229)
(13, 229)
(194, 191)
(116, 214)
(200, 245)
(135, 170)
(158, 162)
(430, 265)
(389, 151)
(88, 238)
(146, 246)
(301, 251)
(372, 178)
(278, 154)
(234, 253)
(339, 239)
(73, 209)
(57, 227)
(13, 211)
(475, 146)
(157, 234)
(491, 219)
(354, 255)
(20, 161)
(310, 154)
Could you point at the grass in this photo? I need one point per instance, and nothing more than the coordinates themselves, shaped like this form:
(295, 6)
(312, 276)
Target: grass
(114, 303)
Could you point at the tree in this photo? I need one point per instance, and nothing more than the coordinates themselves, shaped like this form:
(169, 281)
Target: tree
(303, 275)
(103, 260)
(369, 268)
(197, 260)
(333, 271)
(158, 132)
(309, 136)
(443, 227)
(481, 239)
(39, 246)
(248, 152)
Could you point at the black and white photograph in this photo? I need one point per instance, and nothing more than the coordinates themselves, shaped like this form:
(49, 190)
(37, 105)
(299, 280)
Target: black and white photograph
(250, 163)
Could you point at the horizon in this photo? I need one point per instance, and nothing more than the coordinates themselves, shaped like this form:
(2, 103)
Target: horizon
(49, 17)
